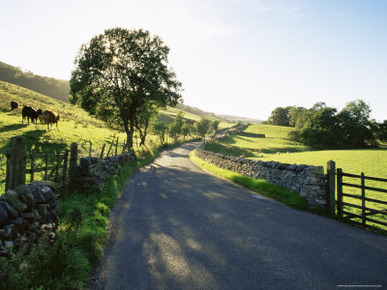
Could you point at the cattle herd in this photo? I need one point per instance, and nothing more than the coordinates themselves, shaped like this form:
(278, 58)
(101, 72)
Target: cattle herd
(48, 117)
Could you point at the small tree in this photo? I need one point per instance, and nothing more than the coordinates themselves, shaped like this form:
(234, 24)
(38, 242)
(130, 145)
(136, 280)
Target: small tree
(160, 129)
(202, 127)
(215, 125)
(175, 128)
(186, 129)
(145, 117)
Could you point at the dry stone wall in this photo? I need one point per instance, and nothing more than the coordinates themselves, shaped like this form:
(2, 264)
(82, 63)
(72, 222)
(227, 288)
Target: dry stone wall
(26, 213)
(95, 171)
(306, 180)
(31, 210)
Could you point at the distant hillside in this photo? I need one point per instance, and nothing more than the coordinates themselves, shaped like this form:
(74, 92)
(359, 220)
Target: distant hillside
(241, 119)
(229, 118)
(57, 89)
(195, 111)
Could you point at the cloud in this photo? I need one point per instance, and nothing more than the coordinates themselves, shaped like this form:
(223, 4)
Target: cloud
(294, 10)
(263, 6)
(260, 6)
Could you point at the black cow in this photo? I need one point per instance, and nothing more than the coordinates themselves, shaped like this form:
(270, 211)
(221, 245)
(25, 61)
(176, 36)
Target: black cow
(30, 113)
(14, 105)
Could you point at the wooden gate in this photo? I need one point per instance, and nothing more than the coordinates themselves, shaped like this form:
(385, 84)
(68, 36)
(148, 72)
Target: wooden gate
(39, 166)
(361, 200)
(48, 167)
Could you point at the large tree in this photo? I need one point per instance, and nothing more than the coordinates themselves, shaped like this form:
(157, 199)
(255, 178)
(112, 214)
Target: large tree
(355, 123)
(120, 75)
(279, 117)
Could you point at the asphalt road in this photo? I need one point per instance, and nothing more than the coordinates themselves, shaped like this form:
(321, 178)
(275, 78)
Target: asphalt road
(177, 227)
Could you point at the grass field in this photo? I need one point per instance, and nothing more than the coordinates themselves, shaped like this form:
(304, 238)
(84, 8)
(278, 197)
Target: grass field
(75, 125)
(275, 140)
(277, 147)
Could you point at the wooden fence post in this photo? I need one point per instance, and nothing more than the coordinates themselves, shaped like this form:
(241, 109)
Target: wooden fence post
(331, 170)
(32, 166)
(73, 168)
(339, 192)
(103, 148)
(57, 167)
(16, 163)
(91, 144)
(363, 205)
(115, 153)
(123, 147)
(111, 145)
(65, 162)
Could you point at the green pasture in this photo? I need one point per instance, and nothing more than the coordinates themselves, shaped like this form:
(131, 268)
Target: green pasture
(75, 125)
(277, 147)
(275, 140)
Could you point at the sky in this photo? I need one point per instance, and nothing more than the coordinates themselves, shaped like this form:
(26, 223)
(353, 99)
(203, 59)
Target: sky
(235, 57)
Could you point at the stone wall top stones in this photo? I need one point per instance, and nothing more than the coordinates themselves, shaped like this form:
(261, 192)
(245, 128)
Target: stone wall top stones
(306, 180)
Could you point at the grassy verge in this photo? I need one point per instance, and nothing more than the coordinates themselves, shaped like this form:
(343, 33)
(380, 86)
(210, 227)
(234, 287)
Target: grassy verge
(81, 237)
(257, 185)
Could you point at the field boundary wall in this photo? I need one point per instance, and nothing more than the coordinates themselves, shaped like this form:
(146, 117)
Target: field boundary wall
(306, 180)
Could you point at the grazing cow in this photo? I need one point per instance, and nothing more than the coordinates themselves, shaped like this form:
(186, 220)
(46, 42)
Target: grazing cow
(50, 117)
(14, 105)
(30, 113)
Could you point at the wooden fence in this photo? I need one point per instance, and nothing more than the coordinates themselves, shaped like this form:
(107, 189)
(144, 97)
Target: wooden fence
(362, 207)
(60, 167)
(52, 166)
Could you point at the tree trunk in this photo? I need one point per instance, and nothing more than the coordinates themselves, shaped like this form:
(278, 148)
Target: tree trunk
(130, 134)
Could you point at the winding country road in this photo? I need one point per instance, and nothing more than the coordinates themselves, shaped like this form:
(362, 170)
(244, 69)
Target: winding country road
(177, 227)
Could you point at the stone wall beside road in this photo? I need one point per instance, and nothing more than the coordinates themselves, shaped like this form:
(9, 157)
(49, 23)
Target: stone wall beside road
(306, 180)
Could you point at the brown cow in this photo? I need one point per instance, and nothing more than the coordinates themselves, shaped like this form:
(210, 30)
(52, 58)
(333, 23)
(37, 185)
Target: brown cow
(50, 117)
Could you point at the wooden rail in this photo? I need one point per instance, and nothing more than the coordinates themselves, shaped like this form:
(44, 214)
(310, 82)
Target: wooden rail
(362, 210)
(60, 167)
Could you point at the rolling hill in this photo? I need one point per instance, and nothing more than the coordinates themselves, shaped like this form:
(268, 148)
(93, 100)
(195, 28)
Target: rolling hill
(59, 89)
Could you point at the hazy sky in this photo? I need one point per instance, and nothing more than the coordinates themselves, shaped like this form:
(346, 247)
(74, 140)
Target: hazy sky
(238, 57)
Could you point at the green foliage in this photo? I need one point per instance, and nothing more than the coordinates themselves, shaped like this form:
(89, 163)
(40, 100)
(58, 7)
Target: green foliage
(160, 129)
(323, 127)
(186, 129)
(57, 89)
(279, 117)
(215, 125)
(203, 126)
(175, 128)
(122, 73)
(382, 132)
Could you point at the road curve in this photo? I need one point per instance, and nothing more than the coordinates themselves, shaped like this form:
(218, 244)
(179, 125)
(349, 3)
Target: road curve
(177, 227)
